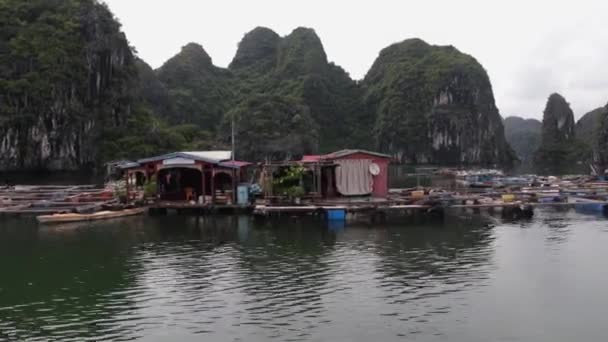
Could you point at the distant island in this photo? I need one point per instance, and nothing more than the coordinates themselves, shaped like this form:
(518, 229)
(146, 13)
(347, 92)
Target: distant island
(558, 145)
(74, 95)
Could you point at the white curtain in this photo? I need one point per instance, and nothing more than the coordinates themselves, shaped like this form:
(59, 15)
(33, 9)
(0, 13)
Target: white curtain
(353, 177)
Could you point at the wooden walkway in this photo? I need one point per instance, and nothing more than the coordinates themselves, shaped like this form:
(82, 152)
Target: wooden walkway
(354, 208)
(182, 207)
(48, 200)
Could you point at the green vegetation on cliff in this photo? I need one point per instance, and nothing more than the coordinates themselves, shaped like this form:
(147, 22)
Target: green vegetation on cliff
(66, 79)
(200, 92)
(295, 67)
(434, 104)
(560, 151)
(257, 52)
(153, 92)
(588, 127)
(273, 127)
(73, 94)
(597, 122)
(290, 70)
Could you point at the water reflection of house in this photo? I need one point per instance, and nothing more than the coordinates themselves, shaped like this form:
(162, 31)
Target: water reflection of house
(345, 173)
(202, 176)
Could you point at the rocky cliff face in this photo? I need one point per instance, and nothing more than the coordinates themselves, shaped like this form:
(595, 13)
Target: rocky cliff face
(559, 148)
(523, 135)
(558, 121)
(66, 76)
(435, 105)
(594, 126)
(73, 95)
(588, 126)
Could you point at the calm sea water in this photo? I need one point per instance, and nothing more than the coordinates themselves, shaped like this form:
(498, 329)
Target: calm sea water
(473, 278)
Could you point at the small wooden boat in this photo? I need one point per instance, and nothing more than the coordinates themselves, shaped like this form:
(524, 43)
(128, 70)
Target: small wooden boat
(100, 215)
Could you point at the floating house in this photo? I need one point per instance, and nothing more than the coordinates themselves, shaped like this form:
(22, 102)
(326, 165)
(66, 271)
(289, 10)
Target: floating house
(200, 176)
(344, 173)
(361, 171)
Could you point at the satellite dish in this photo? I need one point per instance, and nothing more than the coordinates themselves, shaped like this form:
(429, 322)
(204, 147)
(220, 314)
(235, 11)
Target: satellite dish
(374, 169)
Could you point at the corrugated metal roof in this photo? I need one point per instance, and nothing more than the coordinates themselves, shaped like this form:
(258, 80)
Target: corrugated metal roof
(122, 164)
(128, 165)
(212, 157)
(234, 164)
(215, 155)
(311, 158)
(344, 153)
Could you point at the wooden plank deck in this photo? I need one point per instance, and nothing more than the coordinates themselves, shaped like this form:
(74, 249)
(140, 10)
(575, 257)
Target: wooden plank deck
(354, 208)
(51, 199)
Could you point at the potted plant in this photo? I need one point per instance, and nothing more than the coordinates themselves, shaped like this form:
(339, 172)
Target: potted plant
(295, 194)
(150, 189)
(289, 183)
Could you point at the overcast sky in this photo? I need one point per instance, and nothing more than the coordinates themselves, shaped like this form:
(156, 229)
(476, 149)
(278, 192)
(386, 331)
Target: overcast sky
(530, 48)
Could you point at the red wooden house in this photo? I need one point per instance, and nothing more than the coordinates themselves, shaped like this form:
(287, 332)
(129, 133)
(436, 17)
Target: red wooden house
(355, 173)
(202, 176)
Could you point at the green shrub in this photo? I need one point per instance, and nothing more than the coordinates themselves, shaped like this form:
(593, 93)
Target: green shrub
(150, 188)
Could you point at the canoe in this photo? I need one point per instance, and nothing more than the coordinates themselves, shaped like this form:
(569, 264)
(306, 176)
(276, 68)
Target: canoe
(101, 215)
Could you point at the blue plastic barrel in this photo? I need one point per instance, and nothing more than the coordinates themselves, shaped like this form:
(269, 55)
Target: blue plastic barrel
(336, 214)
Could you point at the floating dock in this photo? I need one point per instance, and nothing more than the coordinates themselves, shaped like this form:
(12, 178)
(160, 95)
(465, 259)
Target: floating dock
(375, 212)
(164, 207)
(86, 199)
(49, 200)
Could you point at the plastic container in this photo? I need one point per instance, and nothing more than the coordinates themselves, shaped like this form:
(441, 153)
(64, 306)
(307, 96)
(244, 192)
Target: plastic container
(242, 194)
(508, 198)
(336, 214)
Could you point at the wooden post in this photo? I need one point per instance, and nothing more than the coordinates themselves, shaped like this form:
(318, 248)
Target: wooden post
(156, 176)
(320, 180)
(314, 177)
(203, 182)
(212, 185)
(271, 183)
(128, 186)
(233, 186)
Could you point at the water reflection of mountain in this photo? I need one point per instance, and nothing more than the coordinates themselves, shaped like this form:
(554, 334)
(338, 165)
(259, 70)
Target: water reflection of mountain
(229, 277)
(284, 272)
(213, 275)
(418, 267)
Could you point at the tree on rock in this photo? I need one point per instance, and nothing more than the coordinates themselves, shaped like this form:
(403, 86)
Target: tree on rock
(270, 127)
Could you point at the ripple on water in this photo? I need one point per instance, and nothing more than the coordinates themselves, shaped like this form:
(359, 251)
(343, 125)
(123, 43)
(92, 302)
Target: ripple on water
(223, 281)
